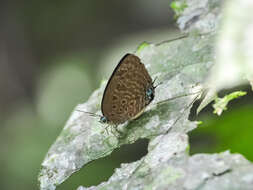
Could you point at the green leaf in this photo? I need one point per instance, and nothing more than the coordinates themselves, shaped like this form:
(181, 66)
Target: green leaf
(178, 7)
(221, 103)
(142, 46)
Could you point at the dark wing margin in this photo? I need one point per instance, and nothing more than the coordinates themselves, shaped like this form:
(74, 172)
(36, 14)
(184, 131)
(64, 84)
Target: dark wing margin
(114, 71)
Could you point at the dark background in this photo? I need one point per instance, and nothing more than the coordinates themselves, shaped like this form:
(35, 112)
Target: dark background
(53, 54)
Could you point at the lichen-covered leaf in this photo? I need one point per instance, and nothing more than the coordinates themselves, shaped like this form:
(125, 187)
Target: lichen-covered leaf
(180, 65)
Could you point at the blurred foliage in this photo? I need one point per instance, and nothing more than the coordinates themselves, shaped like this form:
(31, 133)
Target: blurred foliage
(231, 131)
(24, 140)
(178, 7)
(69, 79)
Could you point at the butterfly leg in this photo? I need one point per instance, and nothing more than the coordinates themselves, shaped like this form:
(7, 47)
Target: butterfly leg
(109, 131)
(118, 131)
(106, 129)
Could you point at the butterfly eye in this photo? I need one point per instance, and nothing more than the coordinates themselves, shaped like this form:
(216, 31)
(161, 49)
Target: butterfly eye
(150, 94)
(103, 119)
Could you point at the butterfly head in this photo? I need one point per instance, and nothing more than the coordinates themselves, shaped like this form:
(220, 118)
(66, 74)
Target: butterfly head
(150, 93)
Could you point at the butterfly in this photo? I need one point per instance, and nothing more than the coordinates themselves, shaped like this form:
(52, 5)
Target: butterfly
(128, 92)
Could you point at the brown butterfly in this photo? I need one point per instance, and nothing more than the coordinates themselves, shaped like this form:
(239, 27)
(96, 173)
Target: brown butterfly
(129, 90)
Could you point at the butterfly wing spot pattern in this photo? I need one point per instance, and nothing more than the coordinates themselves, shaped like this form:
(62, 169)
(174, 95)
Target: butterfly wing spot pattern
(128, 91)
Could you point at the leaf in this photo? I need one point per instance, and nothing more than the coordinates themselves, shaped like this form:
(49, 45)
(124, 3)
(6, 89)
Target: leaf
(178, 7)
(178, 64)
(141, 46)
(221, 103)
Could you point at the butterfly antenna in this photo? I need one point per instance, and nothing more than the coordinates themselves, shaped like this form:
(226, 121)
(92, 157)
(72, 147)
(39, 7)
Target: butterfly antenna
(90, 113)
(157, 84)
(173, 39)
(184, 110)
(181, 37)
(175, 97)
(154, 80)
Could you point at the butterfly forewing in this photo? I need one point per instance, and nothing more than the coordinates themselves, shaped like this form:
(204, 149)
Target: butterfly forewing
(124, 95)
